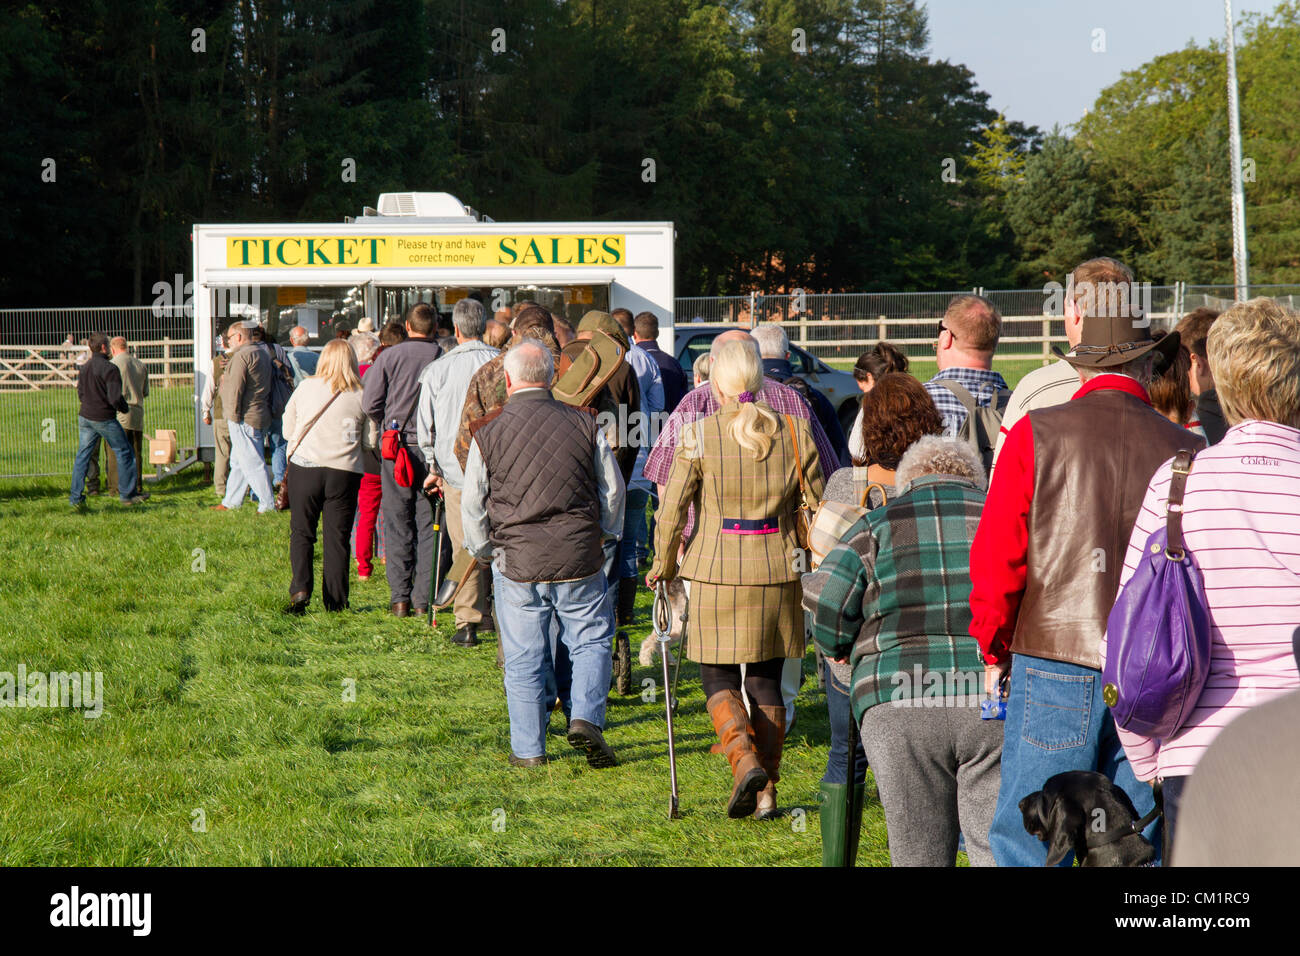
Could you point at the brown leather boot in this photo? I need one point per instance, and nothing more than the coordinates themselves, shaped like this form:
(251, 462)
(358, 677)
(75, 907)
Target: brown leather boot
(769, 740)
(731, 724)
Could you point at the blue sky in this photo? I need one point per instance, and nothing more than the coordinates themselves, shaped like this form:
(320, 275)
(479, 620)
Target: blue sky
(1034, 57)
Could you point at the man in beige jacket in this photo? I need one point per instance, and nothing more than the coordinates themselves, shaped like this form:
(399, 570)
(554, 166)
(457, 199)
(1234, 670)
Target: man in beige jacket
(135, 389)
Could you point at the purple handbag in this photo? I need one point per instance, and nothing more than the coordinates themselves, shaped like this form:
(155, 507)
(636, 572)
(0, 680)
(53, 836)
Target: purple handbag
(1158, 632)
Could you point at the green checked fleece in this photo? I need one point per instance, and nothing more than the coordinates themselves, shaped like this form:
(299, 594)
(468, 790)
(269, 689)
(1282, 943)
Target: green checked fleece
(896, 591)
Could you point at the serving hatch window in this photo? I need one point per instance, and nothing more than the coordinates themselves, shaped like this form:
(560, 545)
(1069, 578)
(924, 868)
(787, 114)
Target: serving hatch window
(321, 310)
(570, 301)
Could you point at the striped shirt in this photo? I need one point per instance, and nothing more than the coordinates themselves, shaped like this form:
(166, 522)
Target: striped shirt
(1241, 523)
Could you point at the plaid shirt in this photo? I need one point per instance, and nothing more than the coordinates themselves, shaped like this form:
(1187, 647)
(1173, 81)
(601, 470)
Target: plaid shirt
(980, 382)
(895, 596)
(701, 403)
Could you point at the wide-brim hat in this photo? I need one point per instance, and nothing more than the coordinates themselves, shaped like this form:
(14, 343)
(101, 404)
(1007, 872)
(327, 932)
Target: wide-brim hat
(1105, 341)
(596, 319)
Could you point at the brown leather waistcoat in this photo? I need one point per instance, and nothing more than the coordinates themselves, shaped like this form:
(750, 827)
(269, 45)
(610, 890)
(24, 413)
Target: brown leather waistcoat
(1093, 459)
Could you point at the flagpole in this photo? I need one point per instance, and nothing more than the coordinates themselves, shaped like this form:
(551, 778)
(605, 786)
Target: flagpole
(1240, 258)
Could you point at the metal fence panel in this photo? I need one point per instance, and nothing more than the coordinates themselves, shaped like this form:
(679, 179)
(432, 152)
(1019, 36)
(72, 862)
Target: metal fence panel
(839, 327)
(38, 379)
(38, 370)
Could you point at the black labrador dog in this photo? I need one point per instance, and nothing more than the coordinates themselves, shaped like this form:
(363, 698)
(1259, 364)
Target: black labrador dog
(1085, 812)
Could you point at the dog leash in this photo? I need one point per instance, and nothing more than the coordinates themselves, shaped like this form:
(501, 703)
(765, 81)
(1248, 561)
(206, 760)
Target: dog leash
(1132, 828)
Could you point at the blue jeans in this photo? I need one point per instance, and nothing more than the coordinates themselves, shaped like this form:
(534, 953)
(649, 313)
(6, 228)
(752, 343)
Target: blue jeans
(279, 449)
(1056, 722)
(841, 714)
(525, 614)
(559, 681)
(635, 533)
(247, 469)
(88, 435)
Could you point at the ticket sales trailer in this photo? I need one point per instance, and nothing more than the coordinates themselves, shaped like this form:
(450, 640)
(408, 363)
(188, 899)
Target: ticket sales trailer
(416, 247)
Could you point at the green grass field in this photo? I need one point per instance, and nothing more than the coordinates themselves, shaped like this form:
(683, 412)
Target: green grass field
(215, 703)
(226, 738)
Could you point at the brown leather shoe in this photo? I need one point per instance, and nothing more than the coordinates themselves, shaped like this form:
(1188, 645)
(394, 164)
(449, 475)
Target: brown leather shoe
(219, 508)
(732, 726)
(769, 741)
(529, 761)
(401, 609)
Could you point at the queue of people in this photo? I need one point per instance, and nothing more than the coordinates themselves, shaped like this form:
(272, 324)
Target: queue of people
(1019, 607)
(956, 579)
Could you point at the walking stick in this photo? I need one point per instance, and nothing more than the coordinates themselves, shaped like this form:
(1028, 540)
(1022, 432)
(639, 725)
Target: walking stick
(437, 506)
(681, 650)
(662, 623)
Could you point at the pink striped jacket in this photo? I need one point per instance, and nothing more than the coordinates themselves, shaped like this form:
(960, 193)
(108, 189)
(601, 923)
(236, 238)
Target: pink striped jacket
(1242, 525)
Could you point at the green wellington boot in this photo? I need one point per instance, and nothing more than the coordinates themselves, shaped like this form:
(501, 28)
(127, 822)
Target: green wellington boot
(833, 807)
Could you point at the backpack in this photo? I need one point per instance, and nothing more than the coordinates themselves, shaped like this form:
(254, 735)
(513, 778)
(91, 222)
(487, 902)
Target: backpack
(579, 381)
(281, 387)
(980, 429)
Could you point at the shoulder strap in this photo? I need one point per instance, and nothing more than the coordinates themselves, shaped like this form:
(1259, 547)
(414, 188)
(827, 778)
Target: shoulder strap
(798, 459)
(1182, 467)
(415, 402)
(963, 395)
(314, 420)
(866, 495)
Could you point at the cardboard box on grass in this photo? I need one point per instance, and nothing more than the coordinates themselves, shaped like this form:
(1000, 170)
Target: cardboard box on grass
(162, 447)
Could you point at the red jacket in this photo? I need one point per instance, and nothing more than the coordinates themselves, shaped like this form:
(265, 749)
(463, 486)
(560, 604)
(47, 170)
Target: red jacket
(999, 554)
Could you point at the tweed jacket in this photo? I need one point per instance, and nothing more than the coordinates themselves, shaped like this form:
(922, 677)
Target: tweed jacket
(745, 532)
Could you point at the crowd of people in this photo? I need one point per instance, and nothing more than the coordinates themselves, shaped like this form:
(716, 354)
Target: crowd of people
(954, 559)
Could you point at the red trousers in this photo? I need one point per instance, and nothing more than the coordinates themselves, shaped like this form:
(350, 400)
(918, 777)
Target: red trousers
(367, 518)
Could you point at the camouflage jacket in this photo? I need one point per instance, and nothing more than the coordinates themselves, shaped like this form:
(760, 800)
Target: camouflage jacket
(487, 393)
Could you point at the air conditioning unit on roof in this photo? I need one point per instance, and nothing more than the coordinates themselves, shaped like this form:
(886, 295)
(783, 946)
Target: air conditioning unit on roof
(425, 206)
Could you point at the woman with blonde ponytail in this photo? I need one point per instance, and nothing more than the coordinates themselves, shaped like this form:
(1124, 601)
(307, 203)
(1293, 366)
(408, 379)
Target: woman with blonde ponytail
(741, 470)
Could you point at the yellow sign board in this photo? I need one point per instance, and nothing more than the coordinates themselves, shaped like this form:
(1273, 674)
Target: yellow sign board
(416, 252)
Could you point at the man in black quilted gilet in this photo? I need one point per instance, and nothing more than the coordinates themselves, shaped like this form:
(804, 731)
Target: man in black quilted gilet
(543, 494)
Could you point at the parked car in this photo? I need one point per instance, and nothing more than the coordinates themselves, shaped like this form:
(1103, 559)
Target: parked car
(692, 340)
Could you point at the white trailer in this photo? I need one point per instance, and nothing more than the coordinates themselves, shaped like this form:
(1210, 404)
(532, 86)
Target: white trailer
(416, 247)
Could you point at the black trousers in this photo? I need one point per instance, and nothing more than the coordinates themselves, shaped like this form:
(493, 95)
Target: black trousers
(408, 534)
(326, 496)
